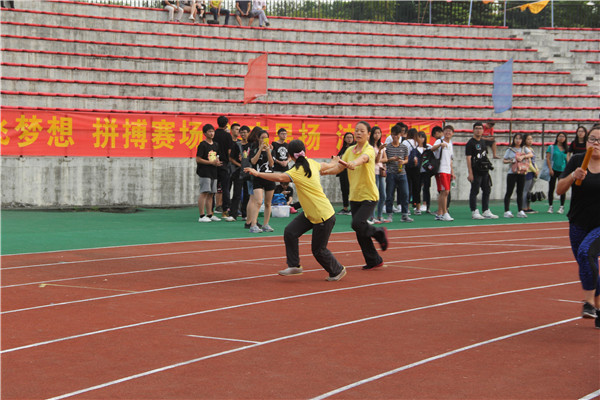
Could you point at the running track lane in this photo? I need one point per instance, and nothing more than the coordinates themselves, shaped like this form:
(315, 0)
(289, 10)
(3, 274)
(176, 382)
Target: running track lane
(404, 337)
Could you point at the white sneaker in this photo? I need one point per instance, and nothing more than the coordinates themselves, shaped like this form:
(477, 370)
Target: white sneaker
(561, 209)
(423, 208)
(521, 214)
(204, 219)
(487, 214)
(229, 218)
(508, 214)
(370, 221)
(446, 217)
(476, 215)
(406, 218)
(215, 218)
(550, 210)
(290, 271)
(396, 209)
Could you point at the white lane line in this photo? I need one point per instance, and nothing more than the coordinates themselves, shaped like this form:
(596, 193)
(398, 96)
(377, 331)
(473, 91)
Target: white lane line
(225, 280)
(305, 333)
(570, 301)
(224, 339)
(440, 356)
(60, 263)
(117, 328)
(524, 224)
(282, 257)
(591, 396)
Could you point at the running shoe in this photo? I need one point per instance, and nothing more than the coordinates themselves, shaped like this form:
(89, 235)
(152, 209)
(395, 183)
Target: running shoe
(561, 209)
(406, 218)
(589, 311)
(215, 218)
(487, 214)
(267, 228)
(521, 214)
(508, 214)
(550, 210)
(291, 271)
(476, 215)
(255, 229)
(204, 219)
(382, 237)
(338, 276)
(446, 217)
(381, 264)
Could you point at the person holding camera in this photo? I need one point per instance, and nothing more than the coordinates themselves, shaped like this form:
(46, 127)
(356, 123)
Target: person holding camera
(479, 166)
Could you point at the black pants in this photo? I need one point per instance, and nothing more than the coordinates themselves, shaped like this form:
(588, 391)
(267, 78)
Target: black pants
(361, 211)
(236, 198)
(426, 182)
(552, 185)
(414, 185)
(511, 181)
(215, 13)
(223, 179)
(345, 186)
(482, 181)
(320, 237)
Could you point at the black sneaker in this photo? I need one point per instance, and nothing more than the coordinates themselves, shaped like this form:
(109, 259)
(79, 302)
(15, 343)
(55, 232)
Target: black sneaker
(589, 311)
(247, 225)
(382, 238)
(381, 264)
(598, 318)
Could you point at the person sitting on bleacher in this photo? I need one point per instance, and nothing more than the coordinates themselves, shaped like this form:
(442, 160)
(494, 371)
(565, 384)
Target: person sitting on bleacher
(190, 7)
(171, 6)
(242, 10)
(259, 7)
(216, 10)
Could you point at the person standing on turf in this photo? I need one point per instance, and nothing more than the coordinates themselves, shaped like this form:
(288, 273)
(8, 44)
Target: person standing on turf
(479, 167)
(584, 220)
(360, 162)
(317, 214)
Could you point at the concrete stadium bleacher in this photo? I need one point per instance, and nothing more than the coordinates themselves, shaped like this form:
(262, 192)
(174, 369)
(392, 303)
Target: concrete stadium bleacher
(70, 55)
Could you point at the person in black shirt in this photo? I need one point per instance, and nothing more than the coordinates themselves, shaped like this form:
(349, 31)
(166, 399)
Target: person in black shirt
(343, 176)
(225, 142)
(479, 176)
(207, 162)
(242, 9)
(584, 220)
(280, 152)
(240, 191)
(578, 144)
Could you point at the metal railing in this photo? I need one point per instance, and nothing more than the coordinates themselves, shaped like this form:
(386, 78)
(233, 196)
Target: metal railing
(496, 13)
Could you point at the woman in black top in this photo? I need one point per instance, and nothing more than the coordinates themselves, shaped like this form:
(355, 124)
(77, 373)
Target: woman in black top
(344, 183)
(578, 144)
(584, 220)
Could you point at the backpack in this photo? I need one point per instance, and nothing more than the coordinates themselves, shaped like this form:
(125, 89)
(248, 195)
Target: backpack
(430, 163)
(414, 153)
(279, 199)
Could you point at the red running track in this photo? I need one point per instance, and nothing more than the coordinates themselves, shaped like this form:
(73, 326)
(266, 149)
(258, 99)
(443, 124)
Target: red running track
(470, 312)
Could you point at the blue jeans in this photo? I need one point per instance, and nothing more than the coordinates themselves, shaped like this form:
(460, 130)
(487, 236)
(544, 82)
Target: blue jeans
(392, 182)
(586, 249)
(380, 182)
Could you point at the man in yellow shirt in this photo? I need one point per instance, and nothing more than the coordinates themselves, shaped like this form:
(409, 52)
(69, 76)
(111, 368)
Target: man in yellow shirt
(317, 214)
(216, 10)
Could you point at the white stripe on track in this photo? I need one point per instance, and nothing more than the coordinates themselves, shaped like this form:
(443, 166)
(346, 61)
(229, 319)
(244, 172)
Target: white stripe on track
(353, 240)
(277, 258)
(245, 238)
(591, 396)
(318, 330)
(438, 357)
(117, 328)
(213, 282)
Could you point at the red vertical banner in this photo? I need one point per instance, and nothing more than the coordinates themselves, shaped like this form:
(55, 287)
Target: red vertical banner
(255, 82)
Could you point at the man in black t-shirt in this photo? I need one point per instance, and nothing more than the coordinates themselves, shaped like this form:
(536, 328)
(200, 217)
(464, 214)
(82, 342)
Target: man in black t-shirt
(207, 162)
(280, 152)
(242, 9)
(479, 176)
(225, 142)
(240, 190)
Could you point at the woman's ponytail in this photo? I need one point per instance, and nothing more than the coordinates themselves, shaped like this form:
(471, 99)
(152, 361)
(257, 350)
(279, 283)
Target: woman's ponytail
(298, 151)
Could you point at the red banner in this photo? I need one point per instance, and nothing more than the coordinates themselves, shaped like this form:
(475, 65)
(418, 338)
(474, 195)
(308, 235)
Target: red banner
(99, 134)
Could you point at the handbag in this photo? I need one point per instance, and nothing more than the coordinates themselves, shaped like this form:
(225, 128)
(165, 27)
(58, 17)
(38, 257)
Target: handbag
(545, 172)
(520, 167)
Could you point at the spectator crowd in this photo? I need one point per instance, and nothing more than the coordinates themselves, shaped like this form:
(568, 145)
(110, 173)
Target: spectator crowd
(404, 167)
(198, 10)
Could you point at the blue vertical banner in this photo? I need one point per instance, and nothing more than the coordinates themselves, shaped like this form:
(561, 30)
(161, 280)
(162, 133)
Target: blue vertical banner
(503, 82)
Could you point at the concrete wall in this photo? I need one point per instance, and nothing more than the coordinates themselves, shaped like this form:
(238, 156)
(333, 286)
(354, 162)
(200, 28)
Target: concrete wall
(99, 181)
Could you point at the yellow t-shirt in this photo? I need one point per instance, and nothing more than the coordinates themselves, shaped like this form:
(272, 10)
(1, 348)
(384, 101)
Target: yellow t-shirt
(362, 178)
(315, 204)
(215, 4)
